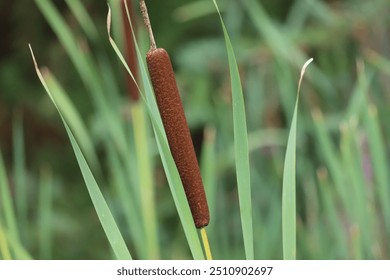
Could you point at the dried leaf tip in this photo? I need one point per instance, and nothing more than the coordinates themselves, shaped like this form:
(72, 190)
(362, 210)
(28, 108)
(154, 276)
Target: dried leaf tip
(303, 69)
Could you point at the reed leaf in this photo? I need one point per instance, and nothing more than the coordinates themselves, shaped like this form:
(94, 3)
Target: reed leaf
(240, 147)
(104, 214)
(289, 184)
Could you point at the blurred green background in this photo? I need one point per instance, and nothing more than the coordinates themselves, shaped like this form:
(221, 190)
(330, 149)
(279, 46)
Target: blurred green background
(343, 129)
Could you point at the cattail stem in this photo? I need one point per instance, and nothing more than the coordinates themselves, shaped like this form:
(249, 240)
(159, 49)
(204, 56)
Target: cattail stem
(206, 244)
(145, 16)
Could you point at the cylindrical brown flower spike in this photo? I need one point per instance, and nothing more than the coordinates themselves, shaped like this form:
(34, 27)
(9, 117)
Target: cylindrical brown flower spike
(176, 128)
(178, 134)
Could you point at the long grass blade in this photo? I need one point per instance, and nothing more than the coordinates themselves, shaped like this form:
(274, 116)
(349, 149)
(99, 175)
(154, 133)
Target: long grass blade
(240, 147)
(105, 216)
(106, 219)
(289, 188)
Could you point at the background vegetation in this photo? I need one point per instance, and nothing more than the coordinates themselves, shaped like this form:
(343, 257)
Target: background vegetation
(343, 188)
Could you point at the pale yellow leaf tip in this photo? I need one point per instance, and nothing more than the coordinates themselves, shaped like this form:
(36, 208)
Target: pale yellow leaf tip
(303, 71)
(305, 66)
(36, 66)
(109, 21)
(33, 57)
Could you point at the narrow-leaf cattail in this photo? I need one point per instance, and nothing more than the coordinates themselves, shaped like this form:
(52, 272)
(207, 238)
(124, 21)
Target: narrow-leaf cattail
(176, 128)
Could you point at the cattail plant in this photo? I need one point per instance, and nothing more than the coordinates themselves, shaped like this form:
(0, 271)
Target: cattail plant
(176, 127)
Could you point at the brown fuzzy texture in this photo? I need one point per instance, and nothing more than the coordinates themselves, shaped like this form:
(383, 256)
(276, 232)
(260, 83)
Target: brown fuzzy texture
(178, 134)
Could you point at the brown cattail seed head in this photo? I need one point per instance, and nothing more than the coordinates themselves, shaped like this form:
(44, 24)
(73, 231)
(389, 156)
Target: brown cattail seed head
(178, 134)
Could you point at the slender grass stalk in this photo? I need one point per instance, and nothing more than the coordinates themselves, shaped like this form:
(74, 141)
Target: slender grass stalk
(240, 147)
(145, 180)
(289, 188)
